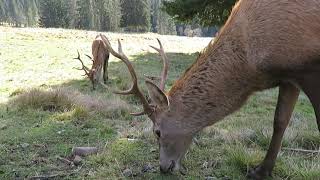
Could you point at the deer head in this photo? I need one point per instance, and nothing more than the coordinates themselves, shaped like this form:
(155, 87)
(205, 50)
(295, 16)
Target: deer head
(90, 73)
(173, 141)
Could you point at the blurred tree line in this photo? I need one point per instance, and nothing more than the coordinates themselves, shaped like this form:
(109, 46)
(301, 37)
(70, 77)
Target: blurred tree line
(19, 12)
(204, 12)
(181, 17)
(101, 15)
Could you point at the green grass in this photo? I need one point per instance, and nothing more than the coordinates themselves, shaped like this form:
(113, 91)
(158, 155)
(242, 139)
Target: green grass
(46, 108)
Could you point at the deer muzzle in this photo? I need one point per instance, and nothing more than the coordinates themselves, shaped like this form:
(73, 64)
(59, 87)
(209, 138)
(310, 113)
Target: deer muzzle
(168, 168)
(173, 166)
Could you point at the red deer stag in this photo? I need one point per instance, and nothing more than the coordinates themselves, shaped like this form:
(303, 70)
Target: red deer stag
(100, 62)
(264, 44)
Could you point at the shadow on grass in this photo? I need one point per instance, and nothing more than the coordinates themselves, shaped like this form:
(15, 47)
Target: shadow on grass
(148, 64)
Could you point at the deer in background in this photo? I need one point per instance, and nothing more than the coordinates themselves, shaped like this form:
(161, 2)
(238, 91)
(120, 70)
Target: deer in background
(264, 44)
(99, 62)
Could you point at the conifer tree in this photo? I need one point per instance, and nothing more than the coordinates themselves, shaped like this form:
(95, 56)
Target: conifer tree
(85, 17)
(206, 12)
(136, 15)
(54, 13)
(161, 22)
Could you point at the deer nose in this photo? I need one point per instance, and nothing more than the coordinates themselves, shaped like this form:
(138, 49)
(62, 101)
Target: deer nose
(163, 170)
(170, 168)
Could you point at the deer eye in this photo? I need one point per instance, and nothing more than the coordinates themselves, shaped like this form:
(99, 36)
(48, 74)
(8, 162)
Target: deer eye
(157, 132)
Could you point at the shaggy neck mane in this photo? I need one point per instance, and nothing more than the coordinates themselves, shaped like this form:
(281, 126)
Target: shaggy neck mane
(218, 83)
(206, 54)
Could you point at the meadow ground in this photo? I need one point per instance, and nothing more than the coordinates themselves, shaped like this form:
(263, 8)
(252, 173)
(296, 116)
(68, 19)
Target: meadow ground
(47, 108)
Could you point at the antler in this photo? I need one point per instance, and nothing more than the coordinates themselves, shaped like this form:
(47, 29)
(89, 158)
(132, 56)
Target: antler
(164, 73)
(85, 68)
(134, 87)
(89, 57)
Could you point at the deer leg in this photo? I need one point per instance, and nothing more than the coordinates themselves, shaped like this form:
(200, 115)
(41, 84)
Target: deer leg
(288, 95)
(315, 101)
(311, 87)
(105, 69)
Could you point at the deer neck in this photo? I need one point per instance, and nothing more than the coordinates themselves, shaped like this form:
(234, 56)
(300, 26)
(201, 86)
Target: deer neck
(217, 84)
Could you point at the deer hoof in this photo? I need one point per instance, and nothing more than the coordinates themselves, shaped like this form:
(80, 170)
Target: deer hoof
(258, 173)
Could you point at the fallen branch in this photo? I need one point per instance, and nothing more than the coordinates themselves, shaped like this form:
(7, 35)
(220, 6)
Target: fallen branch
(49, 176)
(301, 150)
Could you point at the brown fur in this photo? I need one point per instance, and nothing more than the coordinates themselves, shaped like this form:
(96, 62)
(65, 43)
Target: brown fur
(257, 49)
(100, 61)
(264, 44)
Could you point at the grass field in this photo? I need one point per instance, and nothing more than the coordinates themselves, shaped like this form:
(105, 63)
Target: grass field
(47, 108)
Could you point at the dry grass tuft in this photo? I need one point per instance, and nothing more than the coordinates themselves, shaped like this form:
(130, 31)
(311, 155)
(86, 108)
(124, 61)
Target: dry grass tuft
(65, 100)
(107, 107)
(51, 100)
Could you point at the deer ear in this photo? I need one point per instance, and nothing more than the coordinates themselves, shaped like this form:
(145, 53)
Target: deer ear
(157, 96)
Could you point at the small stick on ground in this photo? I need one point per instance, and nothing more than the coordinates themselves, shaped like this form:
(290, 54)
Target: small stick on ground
(64, 160)
(301, 150)
(49, 176)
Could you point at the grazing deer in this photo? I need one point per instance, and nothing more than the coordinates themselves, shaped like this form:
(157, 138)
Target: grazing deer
(264, 44)
(99, 61)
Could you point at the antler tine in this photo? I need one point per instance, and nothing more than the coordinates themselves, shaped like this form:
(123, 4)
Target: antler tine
(86, 69)
(89, 57)
(160, 44)
(134, 90)
(164, 73)
(125, 59)
(126, 92)
(120, 47)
